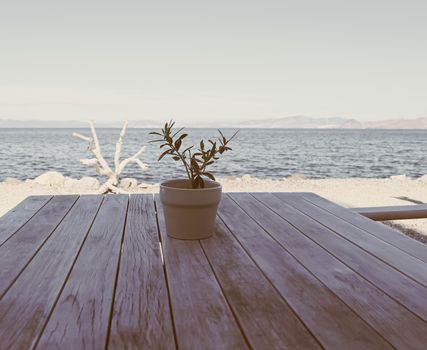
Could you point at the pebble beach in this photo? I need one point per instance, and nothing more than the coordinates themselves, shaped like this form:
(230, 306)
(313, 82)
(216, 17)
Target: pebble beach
(351, 192)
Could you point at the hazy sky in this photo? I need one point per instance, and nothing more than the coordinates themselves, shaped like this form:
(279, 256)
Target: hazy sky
(212, 59)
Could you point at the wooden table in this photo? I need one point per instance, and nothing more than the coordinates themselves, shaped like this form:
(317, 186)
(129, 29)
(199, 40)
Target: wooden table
(282, 271)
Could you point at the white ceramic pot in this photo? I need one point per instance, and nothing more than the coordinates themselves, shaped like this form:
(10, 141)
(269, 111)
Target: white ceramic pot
(190, 213)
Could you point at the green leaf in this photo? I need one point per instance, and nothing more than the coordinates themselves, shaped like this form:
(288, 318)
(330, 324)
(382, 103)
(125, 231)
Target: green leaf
(194, 164)
(232, 137)
(209, 175)
(224, 140)
(187, 149)
(198, 182)
(176, 133)
(163, 154)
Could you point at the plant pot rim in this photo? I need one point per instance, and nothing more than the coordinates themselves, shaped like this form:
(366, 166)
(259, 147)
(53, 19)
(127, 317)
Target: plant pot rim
(167, 184)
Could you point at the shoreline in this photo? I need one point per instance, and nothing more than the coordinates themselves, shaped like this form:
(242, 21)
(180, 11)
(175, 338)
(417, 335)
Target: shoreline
(350, 192)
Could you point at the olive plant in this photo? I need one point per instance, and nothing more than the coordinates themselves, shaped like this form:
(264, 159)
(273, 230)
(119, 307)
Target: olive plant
(195, 161)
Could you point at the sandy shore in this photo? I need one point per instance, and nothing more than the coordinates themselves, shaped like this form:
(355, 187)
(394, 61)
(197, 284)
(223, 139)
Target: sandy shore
(346, 192)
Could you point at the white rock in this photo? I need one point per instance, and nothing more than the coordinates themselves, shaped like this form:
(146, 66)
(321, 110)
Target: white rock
(88, 183)
(398, 177)
(144, 185)
(230, 178)
(71, 183)
(246, 178)
(127, 183)
(296, 177)
(50, 178)
(12, 181)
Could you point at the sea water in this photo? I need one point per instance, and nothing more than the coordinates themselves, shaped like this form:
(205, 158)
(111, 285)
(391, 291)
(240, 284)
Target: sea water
(263, 153)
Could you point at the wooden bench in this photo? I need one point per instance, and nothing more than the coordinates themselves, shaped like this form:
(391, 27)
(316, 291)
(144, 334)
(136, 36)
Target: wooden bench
(401, 212)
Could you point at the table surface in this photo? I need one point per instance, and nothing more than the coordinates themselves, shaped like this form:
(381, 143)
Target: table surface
(283, 270)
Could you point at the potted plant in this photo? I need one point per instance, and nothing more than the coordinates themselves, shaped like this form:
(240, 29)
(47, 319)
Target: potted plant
(190, 205)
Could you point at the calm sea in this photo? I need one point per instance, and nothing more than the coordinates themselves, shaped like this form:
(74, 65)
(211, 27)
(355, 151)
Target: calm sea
(263, 153)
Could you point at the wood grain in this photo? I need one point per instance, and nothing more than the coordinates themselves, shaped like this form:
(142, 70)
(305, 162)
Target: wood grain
(410, 246)
(26, 306)
(330, 320)
(81, 317)
(141, 314)
(266, 319)
(388, 253)
(374, 306)
(294, 272)
(396, 284)
(18, 216)
(19, 249)
(202, 317)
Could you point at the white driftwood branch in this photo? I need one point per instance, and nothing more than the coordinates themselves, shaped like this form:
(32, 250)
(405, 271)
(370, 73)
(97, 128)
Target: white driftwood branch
(83, 137)
(101, 165)
(119, 145)
(97, 152)
(141, 164)
(132, 159)
(89, 162)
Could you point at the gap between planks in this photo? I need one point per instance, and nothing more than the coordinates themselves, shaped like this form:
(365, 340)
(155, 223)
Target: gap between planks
(13, 213)
(388, 235)
(323, 336)
(339, 259)
(31, 253)
(404, 263)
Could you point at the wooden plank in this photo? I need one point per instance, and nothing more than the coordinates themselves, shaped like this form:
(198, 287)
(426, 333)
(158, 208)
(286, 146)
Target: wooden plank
(410, 246)
(202, 317)
(402, 288)
(141, 313)
(18, 216)
(330, 320)
(26, 306)
(81, 317)
(403, 262)
(19, 249)
(266, 319)
(397, 212)
(374, 306)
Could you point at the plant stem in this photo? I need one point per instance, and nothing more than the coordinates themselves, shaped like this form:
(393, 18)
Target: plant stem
(183, 160)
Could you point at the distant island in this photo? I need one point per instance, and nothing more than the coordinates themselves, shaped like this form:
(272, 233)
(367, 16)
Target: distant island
(293, 122)
(302, 122)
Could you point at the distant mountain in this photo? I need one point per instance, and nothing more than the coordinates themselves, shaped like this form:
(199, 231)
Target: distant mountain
(419, 123)
(301, 122)
(294, 122)
(7, 123)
